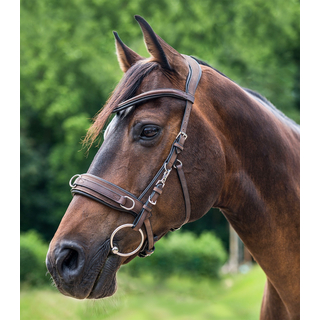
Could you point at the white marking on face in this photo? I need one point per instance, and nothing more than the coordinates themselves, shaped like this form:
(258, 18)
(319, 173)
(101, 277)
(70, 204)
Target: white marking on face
(115, 120)
(111, 126)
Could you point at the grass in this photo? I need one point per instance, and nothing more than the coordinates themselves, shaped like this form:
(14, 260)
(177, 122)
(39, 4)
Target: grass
(179, 298)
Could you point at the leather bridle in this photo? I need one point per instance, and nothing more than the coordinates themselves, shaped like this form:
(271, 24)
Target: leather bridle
(117, 198)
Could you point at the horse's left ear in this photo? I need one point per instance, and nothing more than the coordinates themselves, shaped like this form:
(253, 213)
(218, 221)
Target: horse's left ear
(168, 57)
(126, 56)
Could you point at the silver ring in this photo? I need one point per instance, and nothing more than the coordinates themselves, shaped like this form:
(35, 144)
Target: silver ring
(175, 166)
(115, 250)
(70, 181)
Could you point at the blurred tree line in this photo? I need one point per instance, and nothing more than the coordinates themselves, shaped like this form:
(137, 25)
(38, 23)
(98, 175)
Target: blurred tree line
(69, 68)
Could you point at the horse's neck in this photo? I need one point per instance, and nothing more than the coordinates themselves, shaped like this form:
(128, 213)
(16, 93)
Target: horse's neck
(260, 196)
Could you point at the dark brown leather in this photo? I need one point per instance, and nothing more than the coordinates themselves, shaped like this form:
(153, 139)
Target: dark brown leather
(108, 193)
(150, 247)
(185, 192)
(153, 94)
(195, 78)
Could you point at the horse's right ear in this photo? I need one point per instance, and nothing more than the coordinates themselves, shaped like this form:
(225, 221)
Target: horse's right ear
(126, 56)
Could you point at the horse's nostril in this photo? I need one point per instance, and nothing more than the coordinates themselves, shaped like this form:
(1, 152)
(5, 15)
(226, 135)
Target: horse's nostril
(70, 261)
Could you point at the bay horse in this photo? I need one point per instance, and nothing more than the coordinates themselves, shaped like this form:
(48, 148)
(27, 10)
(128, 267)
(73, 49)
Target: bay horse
(184, 138)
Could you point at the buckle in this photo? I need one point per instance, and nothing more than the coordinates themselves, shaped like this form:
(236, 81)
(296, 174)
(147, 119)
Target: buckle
(181, 134)
(152, 202)
(146, 253)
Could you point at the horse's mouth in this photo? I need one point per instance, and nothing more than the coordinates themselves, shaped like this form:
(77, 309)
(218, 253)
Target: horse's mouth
(105, 284)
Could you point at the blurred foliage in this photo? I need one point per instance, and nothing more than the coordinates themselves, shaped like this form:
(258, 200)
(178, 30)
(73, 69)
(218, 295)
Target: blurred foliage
(69, 68)
(183, 254)
(33, 251)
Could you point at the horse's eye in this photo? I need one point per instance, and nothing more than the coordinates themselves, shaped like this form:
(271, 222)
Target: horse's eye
(149, 132)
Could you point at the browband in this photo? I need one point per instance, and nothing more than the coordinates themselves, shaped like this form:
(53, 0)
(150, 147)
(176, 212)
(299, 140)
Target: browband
(153, 94)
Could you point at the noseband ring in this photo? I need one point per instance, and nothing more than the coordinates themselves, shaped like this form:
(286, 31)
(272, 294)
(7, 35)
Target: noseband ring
(70, 181)
(119, 199)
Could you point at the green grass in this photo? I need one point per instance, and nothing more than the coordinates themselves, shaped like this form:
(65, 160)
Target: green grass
(232, 298)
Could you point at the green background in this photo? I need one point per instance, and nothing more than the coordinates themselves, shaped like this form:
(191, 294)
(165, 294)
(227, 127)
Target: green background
(69, 69)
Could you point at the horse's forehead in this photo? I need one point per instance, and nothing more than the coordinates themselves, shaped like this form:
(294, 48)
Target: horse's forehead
(155, 80)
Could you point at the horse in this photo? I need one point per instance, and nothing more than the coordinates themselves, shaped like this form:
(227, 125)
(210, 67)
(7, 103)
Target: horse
(184, 138)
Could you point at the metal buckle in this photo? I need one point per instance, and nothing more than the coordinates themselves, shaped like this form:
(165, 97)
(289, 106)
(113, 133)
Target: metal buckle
(152, 202)
(181, 134)
(115, 250)
(146, 253)
(70, 181)
(133, 204)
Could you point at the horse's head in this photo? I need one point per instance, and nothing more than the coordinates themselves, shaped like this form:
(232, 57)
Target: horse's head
(138, 168)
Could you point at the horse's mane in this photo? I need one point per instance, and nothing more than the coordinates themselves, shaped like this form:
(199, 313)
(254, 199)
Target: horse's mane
(258, 97)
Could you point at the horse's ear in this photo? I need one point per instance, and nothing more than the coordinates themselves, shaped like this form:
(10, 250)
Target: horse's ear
(168, 57)
(126, 56)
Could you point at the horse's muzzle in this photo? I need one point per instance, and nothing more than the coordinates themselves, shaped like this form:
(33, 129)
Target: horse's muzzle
(82, 275)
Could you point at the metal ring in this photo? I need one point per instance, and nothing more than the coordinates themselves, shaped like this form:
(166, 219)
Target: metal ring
(177, 160)
(70, 181)
(133, 204)
(115, 250)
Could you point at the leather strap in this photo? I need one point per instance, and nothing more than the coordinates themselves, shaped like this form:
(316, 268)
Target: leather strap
(191, 88)
(153, 94)
(185, 192)
(107, 193)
